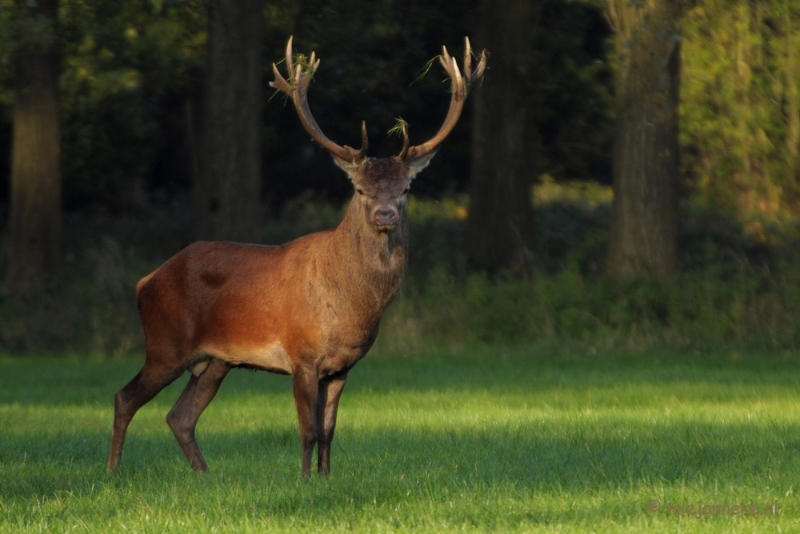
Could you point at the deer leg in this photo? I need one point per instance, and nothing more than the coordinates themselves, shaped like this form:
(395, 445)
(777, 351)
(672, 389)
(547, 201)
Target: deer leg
(330, 390)
(306, 390)
(135, 394)
(182, 418)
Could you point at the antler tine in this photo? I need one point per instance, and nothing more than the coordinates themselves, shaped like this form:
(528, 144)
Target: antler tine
(478, 73)
(451, 67)
(298, 91)
(313, 63)
(460, 89)
(362, 152)
(470, 75)
(467, 59)
(404, 152)
(445, 59)
(280, 82)
(289, 55)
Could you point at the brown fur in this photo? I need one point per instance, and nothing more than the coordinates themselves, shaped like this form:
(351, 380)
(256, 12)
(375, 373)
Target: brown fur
(310, 308)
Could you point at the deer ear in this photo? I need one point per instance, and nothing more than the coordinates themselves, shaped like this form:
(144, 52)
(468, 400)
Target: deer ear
(415, 166)
(350, 167)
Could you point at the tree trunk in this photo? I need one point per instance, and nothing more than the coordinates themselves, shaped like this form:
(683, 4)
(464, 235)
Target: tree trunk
(227, 193)
(792, 98)
(500, 225)
(35, 215)
(644, 221)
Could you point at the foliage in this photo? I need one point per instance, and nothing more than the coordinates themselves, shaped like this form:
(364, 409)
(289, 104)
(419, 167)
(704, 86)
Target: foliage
(735, 290)
(124, 66)
(129, 68)
(720, 306)
(740, 111)
(478, 440)
(93, 308)
(123, 63)
(572, 93)
(132, 72)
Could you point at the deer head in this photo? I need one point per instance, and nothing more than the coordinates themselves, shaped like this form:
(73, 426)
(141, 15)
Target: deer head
(381, 184)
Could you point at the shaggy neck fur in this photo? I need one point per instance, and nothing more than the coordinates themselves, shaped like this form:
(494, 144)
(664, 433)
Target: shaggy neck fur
(366, 263)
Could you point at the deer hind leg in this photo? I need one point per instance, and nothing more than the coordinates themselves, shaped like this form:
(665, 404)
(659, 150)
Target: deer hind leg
(330, 390)
(135, 394)
(197, 395)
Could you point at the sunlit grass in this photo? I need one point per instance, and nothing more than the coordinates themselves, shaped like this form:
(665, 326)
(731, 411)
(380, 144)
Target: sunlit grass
(472, 441)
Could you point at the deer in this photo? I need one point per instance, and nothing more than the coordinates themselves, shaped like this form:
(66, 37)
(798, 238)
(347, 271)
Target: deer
(310, 308)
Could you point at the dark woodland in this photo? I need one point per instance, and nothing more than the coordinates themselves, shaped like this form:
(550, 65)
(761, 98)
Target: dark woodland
(625, 173)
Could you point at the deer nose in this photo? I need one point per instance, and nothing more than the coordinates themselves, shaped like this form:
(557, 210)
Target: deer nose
(385, 216)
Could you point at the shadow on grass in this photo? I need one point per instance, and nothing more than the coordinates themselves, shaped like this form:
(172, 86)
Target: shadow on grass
(614, 453)
(389, 463)
(77, 381)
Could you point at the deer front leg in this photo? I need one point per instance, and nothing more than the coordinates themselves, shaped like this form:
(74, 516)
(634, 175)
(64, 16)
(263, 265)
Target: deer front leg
(330, 390)
(305, 383)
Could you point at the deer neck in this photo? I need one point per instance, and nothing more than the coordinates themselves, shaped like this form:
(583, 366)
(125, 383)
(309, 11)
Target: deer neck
(369, 263)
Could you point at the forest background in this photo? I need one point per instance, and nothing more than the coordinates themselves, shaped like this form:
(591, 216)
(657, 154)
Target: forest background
(626, 176)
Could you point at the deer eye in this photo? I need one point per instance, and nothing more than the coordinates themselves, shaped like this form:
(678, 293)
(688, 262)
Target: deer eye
(406, 190)
(360, 191)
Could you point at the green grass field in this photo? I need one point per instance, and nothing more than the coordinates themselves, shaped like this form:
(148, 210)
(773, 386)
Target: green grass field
(480, 440)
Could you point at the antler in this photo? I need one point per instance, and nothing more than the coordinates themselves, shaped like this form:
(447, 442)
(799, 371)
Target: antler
(298, 91)
(460, 90)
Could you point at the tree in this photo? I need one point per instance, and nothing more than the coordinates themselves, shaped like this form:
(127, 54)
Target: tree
(644, 220)
(504, 139)
(227, 190)
(128, 68)
(740, 108)
(35, 210)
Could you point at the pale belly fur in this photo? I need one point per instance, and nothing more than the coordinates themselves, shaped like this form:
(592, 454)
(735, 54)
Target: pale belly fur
(271, 357)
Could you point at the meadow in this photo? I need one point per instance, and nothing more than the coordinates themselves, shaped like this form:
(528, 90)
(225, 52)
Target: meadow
(472, 438)
(550, 401)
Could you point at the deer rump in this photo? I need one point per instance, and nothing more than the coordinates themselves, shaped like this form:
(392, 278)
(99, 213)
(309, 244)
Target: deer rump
(310, 308)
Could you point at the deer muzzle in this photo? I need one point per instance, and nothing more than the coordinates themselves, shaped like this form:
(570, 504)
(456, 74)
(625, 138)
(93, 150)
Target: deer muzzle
(385, 216)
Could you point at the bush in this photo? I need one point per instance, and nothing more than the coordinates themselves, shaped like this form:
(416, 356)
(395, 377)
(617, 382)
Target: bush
(736, 288)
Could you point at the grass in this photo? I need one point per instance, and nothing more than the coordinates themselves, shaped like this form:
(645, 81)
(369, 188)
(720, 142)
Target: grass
(475, 439)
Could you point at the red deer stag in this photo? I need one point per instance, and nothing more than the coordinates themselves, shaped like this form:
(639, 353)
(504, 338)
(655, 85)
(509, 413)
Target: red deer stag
(310, 308)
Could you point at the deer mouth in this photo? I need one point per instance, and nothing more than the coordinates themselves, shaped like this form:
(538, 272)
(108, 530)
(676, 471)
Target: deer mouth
(385, 218)
(385, 228)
